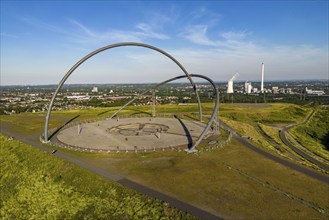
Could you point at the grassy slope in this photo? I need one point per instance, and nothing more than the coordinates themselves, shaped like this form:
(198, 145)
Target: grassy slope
(273, 113)
(315, 134)
(274, 134)
(204, 180)
(37, 185)
(246, 129)
(243, 119)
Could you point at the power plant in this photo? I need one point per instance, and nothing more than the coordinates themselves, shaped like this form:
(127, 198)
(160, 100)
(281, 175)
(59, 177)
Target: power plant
(230, 83)
(247, 87)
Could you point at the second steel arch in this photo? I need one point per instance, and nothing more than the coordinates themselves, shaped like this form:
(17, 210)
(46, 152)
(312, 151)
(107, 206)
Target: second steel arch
(107, 48)
(212, 117)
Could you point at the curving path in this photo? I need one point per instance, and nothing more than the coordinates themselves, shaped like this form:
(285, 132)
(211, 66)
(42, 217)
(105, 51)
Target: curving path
(274, 143)
(279, 160)
(297, 150)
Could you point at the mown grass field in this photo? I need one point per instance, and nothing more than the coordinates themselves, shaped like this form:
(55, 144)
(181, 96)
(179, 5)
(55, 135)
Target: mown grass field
(272, 113)
(37, 185)
(206, 179)
(275, 113)
(243, 118)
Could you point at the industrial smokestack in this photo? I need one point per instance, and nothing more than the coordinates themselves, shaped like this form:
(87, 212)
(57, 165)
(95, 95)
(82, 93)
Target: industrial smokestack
(262, 82)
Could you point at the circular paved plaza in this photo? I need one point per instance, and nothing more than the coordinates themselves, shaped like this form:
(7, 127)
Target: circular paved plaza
(131, 134)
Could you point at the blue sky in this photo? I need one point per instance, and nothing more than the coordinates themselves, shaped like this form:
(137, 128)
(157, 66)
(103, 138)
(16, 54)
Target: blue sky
(41, 40)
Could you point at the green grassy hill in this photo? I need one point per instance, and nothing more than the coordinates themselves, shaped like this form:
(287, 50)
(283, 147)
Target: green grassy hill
(239, 116)
(37, 185)
(277, 113)
(315, 134)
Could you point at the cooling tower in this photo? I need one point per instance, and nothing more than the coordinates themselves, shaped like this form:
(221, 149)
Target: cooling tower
(230, 86)
(230, 83)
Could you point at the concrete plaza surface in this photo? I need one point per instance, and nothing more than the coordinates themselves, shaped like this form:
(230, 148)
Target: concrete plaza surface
(132, 133)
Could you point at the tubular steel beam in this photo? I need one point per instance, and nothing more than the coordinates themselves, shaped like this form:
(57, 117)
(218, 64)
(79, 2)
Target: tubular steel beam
(106, 48)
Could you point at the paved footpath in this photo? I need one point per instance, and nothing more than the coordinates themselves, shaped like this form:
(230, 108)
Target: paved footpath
(297, 150)
(195, 211)
(279, 160)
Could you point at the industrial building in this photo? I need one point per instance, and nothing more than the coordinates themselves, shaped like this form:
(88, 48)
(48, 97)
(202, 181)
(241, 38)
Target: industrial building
(314, 92)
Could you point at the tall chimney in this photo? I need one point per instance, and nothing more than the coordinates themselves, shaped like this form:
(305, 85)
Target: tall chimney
(262, 82)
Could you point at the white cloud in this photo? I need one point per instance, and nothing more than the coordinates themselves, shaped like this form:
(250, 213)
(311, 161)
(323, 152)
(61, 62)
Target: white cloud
(147, 32)
(84, 34)
(203, 14)
(86, 30)
(218, 56)
(234, 52)
(230, 35)
(281, 62)
(199, 12)
(43, 25)
(8, 35)
(231, 40)
(197, 34)
(157, 20)
(80, 33)
(114, 35)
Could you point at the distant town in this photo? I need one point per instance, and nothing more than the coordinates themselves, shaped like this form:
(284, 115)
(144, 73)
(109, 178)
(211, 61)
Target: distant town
(17, 99)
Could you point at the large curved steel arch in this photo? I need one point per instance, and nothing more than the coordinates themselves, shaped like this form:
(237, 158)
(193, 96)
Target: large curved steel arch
(212, 117)
(106, 48)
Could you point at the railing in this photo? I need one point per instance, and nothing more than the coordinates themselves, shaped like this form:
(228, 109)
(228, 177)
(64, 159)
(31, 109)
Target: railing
(117, 149)
(217, 144)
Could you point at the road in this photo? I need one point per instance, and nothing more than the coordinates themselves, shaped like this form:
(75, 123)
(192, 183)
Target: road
(279, 160)
(297, 150)
(195, 211)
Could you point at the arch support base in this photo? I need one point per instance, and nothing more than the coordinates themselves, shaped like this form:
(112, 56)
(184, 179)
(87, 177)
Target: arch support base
(189, 151)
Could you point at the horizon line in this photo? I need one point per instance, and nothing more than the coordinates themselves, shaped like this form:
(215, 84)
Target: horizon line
(137, 83)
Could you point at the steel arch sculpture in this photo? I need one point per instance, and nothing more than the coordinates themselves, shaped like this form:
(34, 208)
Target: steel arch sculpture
(107, 48)
(212, 117)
